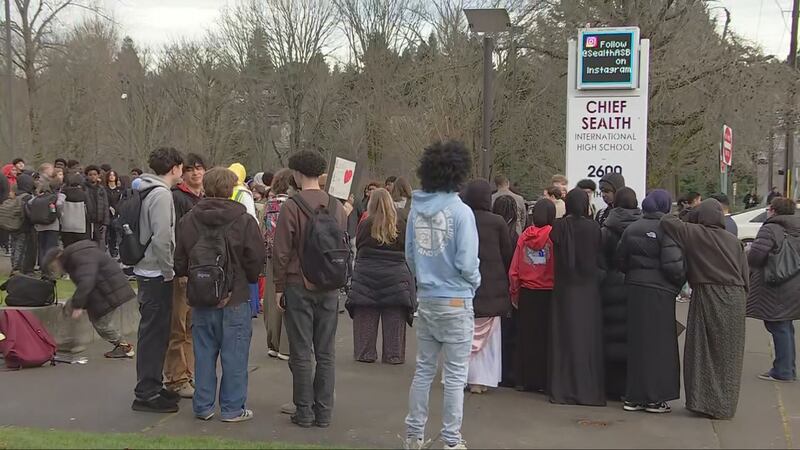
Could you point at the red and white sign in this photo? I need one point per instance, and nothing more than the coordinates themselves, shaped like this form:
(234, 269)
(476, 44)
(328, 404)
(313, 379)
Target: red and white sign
(727, 145)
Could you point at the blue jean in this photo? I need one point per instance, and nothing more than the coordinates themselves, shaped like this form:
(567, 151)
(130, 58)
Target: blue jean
(254, 300)
(222, 333)
(782, 332)
(443, 326)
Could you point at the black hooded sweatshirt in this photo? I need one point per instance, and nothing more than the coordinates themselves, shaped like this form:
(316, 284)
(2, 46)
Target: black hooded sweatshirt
(615, 182)
(247, 259)
(495, 251)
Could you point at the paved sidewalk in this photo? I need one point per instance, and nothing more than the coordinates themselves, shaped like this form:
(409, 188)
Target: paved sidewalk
(371, 404)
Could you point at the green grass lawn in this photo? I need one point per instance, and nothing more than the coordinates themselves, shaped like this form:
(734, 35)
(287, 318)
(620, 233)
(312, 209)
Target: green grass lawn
(14, 437)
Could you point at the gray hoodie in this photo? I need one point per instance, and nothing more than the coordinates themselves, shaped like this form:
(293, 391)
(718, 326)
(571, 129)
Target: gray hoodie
(157, 224)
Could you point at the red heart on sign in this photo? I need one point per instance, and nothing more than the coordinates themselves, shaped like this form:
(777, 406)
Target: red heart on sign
(348, 175)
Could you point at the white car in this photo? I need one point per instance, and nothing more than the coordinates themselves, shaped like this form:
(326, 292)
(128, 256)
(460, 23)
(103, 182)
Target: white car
(750, 221)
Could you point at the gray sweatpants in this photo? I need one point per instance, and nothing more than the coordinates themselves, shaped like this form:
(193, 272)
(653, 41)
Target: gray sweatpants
(102, 325)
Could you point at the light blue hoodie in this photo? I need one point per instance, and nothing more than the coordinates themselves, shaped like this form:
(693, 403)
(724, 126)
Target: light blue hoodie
(442, 246)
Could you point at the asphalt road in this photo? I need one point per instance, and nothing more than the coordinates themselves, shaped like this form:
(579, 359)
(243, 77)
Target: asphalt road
(371, 405)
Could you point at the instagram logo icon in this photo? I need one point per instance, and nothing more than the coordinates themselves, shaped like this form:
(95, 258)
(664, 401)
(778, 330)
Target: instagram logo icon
(591, 41)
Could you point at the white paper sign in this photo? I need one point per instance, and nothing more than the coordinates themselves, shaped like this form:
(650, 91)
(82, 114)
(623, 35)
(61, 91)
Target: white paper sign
(341, 178)
(607, 130)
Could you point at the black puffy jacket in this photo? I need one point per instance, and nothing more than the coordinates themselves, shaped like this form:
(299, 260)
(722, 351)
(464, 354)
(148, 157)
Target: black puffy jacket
(649, 257)
(615, 300)
(100, 285)
(381, 277)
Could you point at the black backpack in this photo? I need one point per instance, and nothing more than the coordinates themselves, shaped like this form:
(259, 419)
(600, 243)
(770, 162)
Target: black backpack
(131, 249)
(24, 290)
(42, 209)
(12, 213)
(326, 252)
(210, 280)
(784, 264)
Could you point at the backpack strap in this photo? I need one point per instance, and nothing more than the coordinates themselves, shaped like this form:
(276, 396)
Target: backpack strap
(331, 204)
(303, 205)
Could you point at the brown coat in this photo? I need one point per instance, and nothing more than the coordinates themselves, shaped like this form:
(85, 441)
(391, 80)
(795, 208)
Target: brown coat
(713, 255)
(289, 241)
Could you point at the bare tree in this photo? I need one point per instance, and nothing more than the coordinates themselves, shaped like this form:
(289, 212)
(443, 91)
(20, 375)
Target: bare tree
(296, 33)
(390, 24)
(33, 35)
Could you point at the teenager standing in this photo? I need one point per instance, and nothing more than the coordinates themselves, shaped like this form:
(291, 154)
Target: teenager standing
(442, 252)
(179, 362)
(154, 275)
(311, 313)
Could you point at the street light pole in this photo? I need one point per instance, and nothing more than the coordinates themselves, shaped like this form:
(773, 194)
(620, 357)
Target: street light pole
(791, 115)
(487, 21)
(488, 98)
(9, 85)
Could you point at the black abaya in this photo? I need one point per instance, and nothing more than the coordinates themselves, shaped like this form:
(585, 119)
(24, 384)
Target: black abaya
(653, 361)
(576, 347)
(533, 338)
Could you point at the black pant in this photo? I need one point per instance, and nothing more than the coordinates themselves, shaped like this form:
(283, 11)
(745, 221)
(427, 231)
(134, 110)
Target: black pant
(23, 251)
(99, 235)
(113, 243)
(155, 307)
(311, 320)
(47, 240)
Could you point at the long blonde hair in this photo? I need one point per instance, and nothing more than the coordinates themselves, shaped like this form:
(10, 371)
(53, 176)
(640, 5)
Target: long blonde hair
(384, 217)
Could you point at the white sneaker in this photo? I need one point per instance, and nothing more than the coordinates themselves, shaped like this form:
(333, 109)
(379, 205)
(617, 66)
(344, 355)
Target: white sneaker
(413, 443)
(460, 446)
(282, 357)
(185, 391)
(243, 417)
(272, 353)
(288, 408)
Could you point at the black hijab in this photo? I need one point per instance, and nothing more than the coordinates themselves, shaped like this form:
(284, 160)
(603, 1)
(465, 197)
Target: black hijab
(478, 195)
(544, 213)
(577, 203)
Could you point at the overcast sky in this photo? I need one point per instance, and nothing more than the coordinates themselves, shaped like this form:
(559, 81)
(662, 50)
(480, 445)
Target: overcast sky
(157, 22)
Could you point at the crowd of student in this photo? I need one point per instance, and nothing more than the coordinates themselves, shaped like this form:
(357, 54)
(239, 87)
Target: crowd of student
(556, 298)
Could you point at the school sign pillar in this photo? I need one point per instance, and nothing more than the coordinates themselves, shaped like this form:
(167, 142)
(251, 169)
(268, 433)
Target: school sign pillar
(607, 94)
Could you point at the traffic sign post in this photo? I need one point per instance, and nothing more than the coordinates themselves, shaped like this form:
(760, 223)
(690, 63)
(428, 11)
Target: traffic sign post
(725, 157)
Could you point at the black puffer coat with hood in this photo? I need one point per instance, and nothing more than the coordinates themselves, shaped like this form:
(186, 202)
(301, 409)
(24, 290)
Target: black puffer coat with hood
(612, 291)
(495, 251)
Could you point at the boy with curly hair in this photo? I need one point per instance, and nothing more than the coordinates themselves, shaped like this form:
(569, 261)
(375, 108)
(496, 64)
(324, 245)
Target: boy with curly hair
(442, 252)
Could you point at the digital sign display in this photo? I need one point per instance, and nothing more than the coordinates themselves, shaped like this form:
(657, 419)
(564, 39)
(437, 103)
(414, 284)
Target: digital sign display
(608, 58)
